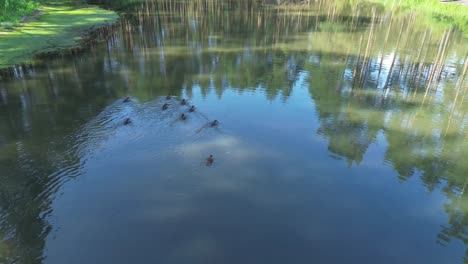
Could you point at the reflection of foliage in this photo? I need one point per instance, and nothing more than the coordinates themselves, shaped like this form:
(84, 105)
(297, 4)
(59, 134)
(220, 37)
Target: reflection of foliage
(33, 148)
(346, 139)
(246, 52)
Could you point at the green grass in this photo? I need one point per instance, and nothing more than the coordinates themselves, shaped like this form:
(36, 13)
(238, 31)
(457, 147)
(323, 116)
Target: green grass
(14, 10)
(448, 14)
(60, 26)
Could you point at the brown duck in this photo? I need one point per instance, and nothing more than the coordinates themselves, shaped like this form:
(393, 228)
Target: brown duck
(209, 160)
(214, 123)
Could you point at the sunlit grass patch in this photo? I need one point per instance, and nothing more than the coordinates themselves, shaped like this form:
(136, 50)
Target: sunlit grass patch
(449, 14)
(59, 27)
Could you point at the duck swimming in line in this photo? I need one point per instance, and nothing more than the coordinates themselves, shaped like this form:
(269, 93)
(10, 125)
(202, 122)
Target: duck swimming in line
(165, 106)
(192, 109)
(168, 97)
(183, 117)
(209, 160)
(127, 99)
(214, 123)
(127, 121)
(183, 102)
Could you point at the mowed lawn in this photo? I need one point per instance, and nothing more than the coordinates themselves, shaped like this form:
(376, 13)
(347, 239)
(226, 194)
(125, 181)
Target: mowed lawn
(59, 26)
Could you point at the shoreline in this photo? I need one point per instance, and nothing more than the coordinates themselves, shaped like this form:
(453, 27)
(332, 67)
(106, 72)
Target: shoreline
(54, 28)
(460, 2)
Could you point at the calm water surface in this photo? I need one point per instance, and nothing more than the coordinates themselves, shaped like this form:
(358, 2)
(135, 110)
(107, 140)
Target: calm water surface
(335, 144)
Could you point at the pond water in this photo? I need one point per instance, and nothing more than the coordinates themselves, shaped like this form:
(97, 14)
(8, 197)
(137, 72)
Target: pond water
(342, 138)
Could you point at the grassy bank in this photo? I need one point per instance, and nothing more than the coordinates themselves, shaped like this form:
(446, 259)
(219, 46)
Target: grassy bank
(59, 26)
(449, 14)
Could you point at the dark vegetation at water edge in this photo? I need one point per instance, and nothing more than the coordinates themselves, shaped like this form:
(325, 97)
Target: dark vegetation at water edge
(14, 10)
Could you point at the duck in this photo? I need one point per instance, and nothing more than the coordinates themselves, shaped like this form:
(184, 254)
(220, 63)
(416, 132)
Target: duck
(168, 97)
(214, 123)
(165, 106)
(209, 160)
(127, 121)
(127, 99)
(183, 117)
(183, 102)
(192, 109)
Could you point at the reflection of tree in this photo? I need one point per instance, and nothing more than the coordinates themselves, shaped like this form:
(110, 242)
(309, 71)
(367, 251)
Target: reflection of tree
(351, 118)
(34, 147)
(21, 225)
(246, 51)
(346, 139)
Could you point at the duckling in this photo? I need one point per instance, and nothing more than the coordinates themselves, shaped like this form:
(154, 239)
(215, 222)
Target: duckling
(127, 121)
(192, 109)
(127, 99)
(165, 106)
(183, 117)
(168, 97)
(209, 160)
(183, 102)
(214, 123)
